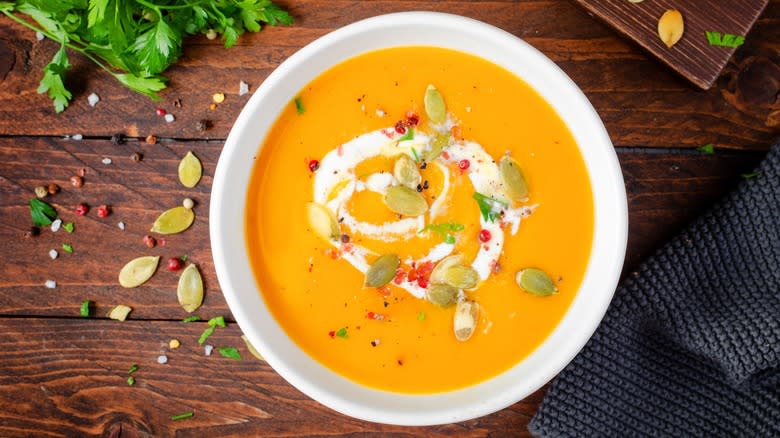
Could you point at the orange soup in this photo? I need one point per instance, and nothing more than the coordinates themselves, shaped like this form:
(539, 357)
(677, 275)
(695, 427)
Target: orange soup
(419, 219)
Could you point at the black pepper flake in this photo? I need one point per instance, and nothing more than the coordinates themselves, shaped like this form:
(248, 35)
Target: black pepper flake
(118, 138)
(203, 125)
(345, 238)
(32, 232)
(424, 165)
(419, 187)
(425, 184)
(373, 343)
(386, 303)
(400, 362)
(137, 157)
(341, 219)
(177, 103)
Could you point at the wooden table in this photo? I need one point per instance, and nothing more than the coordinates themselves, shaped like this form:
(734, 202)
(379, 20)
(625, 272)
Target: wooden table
(63, 374)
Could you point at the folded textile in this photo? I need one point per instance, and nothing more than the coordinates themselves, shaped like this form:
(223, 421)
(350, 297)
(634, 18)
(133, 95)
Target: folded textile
(690, 345)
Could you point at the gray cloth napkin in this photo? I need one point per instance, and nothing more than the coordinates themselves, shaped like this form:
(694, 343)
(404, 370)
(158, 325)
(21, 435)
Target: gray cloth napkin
(690, 345)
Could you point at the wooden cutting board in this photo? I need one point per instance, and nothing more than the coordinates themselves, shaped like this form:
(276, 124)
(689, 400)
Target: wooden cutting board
(692, 57)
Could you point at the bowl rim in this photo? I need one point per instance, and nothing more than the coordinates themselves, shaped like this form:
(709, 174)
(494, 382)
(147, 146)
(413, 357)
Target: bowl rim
(331, 389)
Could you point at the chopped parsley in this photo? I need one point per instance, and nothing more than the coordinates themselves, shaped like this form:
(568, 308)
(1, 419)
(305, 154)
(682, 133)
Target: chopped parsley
(191, 318)
(131, 381)
(421, 316)
(408, 136)
(414, 152)
(706, 149)
(218, 321)
(68, 226)
(342, 333)
(182, 416)
(229, 352)
(84, 310)
(444, 230)
(206, 333)
(489, 207)
(133, 368)
(299, 105)
(725, 40)
(750, 175)
(42, 213)
(68, 248)
(184, 257)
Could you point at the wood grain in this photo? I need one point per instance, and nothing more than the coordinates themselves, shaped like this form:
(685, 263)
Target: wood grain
(641, 102)
(692, 57)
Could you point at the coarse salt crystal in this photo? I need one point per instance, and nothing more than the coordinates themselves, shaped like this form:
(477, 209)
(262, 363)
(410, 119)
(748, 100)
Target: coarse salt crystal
(93, 99)
(53, 254)
(77, 137)
(55, 226)
(243, 88)
(162, 359)
(121, 225)
(468, 109)
(106, 160)
(50, 284)
(363, 108)
(169, 118)
(39, 36)
(208, 349)
(380, 112)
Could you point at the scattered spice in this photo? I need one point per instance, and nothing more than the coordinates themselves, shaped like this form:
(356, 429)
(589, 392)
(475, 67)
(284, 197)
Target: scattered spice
(188, 203)
(41, 192)
(345, 238)
(299, 105)
(68, 226)
(84, 310)
(162, 359)
(484, 236)
(425, 185)
(68, 248)
(50, 284)
(136, 157)
(342, 333)
(55, 226)
(53, 189)
(120, 312)
(118, 139)
(103, 211)
(53, 254)
(106, 161)
(207, 349)
(218, 97)
(419, 187)
(464, 164)
(93, 99)
(243, 88)
(121, 225)
(161, 112)
(375, 342)
(82, 172)
(82, 209)
(191, 318)
(203, 125)
(177, 103)
(184, 414)
(131, 381)
(149, 241)
(174, 264)
(174, 344)
(151, 139)
(229, 352)
(169, 118)
(41, 212)
(77, 137)
(213, 106)
(76, 181)
(314, 165)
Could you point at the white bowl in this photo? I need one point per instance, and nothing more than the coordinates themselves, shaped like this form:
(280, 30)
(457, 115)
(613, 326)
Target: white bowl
(230, 190)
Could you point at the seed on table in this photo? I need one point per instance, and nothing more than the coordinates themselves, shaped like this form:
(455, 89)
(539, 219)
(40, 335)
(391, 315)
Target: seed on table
(151, 139)
(174, 344)
(162, 359)
(211, 34)
(82, 172)
(174, 264)
(188, 203)
(149, 241)
(41, 191)
(82, 209)
(137, 157)
(50, 284)
(76, 181)
(218, 97)
(103, 211)
(55, 226)
(53, 189)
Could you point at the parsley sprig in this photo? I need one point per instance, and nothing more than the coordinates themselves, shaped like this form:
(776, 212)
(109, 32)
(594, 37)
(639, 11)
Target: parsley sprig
(725, 40)
(444, 230)
(489, 207)
(133, 40)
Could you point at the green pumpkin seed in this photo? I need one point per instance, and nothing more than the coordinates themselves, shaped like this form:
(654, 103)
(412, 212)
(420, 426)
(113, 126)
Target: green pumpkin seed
(406, 201)
(137, 271)
(437, 275)
(190, 170)
(536, 282)
(462, 277)
(174, 220)
(119, 312)
(443, 295)
(190, 289)
(465, 320)
(435, 107)
(440, 141)
(251, 348)
(405, 171)
(382, 270)
(322, 221)
(512, 177)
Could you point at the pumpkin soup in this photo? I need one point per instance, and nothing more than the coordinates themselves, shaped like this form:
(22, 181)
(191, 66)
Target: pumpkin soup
(419, 219)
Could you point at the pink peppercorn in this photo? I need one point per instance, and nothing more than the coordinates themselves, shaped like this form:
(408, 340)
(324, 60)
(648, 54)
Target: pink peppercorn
(82, 209)
(103, 211)
(161, 112)
(149, 241)
(412, 119)
(400, 127)
(464, 164)
(174, 264)
(314, 165)
(484, 236)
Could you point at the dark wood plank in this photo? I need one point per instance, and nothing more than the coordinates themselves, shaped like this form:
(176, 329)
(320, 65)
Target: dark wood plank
(68, 377)
(641, 102)
(665, 191)
(692, 57)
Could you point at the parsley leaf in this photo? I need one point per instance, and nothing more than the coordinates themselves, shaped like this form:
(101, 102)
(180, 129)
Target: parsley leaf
(52, 81)
(750, 175)
(42, 213)
(158, 47)
(342, 333)
(706, 149)
(68, 248)
(444, 230)
(229, 352)
(182, 416)
(191, 318)
(299, 105)
(408, 136)
(489, 207)
(725, 40)
(206, 333)
(68, 226)
(421, 316)
(217, 321)
(84, 310)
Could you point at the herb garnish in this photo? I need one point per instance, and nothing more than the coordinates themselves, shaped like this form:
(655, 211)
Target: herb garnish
(182, 416)
(408, 136)
(131, 381)
(421, 316)
(299, 105)
(184, 257)
(342, 333)
(416, 157)
(750, 175)
(134, 41)
(84, 310)
(191, 318)
(68, 248)
(725, 40)
(489, 207)
(444, 230)
(218, 321)
(706, 149)
(133, 368)
(215, 322)
(68, 226)
(42, 213)
(229, 352)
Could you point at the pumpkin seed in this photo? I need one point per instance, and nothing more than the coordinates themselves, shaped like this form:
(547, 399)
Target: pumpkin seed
(435, 107)
(190, 289)
(671, 27)
(382, 270)
(173, 221)
(443, 295)
(437, 275)
(322, 221)
(405, 171)
(137, 271)
(406, 201)
(536, 282)
(119, 312)
(465, 320)
(440, 141)
(462, 277)
(512, 177)
(190, 170)
(251, 348)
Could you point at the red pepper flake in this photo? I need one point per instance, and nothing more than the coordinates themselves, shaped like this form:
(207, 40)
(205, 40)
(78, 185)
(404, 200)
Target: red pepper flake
(313, 165)
(332, 333)
(412, 119)
(82, 209)
(400, 127)
(411, 276)
(484, 236)
(103, 211)
(422, 282)
(161, 112)
(464, 164)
